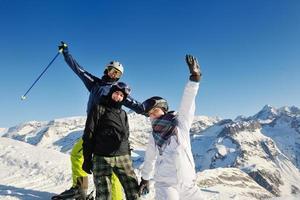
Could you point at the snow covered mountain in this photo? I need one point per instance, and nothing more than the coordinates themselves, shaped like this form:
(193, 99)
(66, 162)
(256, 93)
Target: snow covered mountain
(254, 157)
(284, 129)
(30, 172)
(60, 134)
(242, 145)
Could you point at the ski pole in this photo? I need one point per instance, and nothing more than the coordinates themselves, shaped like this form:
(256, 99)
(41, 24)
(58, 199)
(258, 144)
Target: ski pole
(24, 96)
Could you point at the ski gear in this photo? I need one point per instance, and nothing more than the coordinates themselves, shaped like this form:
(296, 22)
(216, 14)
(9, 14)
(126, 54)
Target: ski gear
(194, 68)
(115, 73)
(175, 173)
(63, 48)
(110, 132)
(123, 87)
(116, 65)
(99, 87)
(38, 78)
(175, 168)
(76, 196)
(154, 102)
(163, 129)
(75, 193)
(122, 167)
(76, 161)
(87, 166)
(106, 139)
(77, 172)
(144, 187)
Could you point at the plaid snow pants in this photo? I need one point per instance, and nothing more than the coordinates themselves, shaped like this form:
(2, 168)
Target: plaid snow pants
(103, 167)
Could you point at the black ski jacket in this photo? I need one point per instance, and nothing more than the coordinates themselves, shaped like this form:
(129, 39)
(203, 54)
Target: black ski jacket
(106, 132)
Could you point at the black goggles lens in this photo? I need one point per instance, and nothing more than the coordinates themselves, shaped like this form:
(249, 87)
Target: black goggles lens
(149, 104)
(124, 87)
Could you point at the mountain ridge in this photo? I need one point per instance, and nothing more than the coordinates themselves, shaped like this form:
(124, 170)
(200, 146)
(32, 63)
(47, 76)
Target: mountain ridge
(264, 149)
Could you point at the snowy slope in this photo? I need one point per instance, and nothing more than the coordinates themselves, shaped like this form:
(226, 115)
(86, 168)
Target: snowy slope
(247, 158)
(58, 134)
(231, 183)
(30, 172)
(3, 131)
(284, 129)
(242, 145)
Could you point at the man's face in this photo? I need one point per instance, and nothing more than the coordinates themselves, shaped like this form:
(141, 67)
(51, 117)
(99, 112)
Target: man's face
(117, 96)
(114, 73)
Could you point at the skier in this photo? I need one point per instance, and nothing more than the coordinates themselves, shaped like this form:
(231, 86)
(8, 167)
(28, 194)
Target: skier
(169, 152)
(98, 87)
(106, 145)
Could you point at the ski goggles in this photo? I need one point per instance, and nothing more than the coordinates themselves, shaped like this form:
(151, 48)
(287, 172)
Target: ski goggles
(123, 87)
(117, 73)
(152, 103)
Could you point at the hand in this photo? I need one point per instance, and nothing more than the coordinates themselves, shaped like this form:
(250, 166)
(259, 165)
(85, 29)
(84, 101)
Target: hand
(87, 166)
(144, 187)
(194, 68)
(63, 48)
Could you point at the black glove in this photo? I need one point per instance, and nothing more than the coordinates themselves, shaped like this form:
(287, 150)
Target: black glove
(63, 48)
(194, 68)
(87, 166)
(144, 187)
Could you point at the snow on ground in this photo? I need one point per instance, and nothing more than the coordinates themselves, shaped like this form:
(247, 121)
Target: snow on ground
(2, 131)
(29, 172)
(41, 168)
(231, 183)
(34, 173)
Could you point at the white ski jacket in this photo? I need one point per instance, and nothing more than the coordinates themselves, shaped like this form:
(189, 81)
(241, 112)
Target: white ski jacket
(176, 164)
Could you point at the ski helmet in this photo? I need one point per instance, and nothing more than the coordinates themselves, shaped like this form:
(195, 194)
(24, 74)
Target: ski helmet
(115, 64)
(121, 86)
(155, 102)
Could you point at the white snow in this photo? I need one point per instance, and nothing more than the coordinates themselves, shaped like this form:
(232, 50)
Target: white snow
(30, 172)
(35, 162)
(3, 131)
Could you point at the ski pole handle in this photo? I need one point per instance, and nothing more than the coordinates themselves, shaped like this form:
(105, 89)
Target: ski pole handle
(63, 47)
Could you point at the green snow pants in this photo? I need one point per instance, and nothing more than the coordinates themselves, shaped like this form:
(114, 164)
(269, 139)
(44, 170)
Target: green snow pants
(78, 174)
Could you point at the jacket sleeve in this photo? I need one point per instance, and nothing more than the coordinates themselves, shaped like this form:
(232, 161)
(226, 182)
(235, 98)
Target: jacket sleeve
(88, 134)
(134, 105)
(149, 159)
(187, 108)
(87, 78)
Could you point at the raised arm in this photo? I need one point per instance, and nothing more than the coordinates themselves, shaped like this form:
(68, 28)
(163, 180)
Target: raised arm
(88, 79)
(187, 106)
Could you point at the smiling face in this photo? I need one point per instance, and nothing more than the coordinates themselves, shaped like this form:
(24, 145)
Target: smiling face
(155, 113)
(114, 73)
(117, 96)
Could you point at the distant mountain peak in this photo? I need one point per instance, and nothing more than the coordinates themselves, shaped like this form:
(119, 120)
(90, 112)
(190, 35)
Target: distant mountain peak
(239, 126)
(289, 110)
(268, 113)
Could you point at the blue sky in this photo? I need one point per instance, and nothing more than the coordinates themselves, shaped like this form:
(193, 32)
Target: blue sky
(248, 50)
